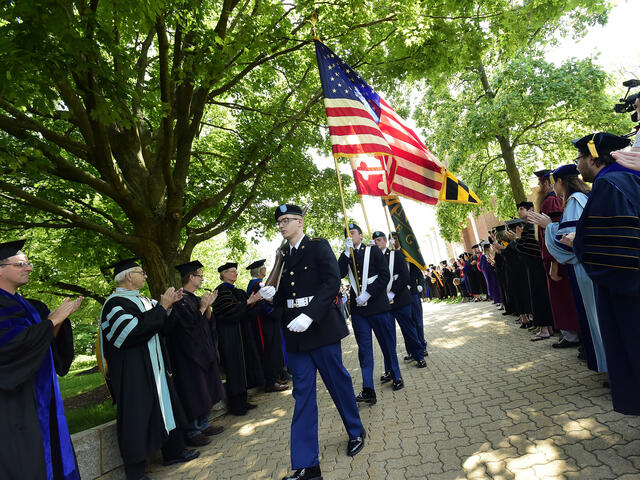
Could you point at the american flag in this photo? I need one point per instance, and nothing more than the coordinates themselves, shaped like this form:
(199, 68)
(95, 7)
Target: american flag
(362, 123)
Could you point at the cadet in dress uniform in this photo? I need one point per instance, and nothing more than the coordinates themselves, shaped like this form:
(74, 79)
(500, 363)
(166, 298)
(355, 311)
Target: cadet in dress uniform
(313, 327)
(607, 243)
(417, 287)
(370, 310)
(400, 300)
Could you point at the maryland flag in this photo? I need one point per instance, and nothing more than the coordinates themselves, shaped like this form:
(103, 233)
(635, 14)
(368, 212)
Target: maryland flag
(408, 242)
(453, 190)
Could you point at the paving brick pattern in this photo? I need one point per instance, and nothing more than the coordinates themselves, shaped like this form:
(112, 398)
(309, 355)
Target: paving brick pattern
(490, 404)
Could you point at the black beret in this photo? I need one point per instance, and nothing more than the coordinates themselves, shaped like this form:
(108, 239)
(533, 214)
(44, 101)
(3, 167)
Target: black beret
(188, 267)
(353, 226)
(227, 266)
(287, 209)
(9, 249)
(378, 234)
(603, 142)
(125, 264)
(256, 264)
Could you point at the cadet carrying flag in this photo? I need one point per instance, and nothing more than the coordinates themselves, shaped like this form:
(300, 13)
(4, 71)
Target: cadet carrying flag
(408, 241)
(453, 190)
(361, 123)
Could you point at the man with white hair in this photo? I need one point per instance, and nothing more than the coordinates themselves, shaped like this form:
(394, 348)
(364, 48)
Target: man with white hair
(149, 414)
(35, 345)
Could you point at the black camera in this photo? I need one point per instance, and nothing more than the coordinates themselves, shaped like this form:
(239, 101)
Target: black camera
(628, 103)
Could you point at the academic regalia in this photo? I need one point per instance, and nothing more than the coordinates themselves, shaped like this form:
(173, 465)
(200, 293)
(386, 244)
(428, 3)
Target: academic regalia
(36, 441)
(471, 278)
(194, 357)
(500, 268)
(310, 285)
(607, 243)
(268, 335)
(479, 277)
(516, 277)
(149, 413)
(237, 346)
(529, 247)
(490, 279)
(560, 292)
(589, 325)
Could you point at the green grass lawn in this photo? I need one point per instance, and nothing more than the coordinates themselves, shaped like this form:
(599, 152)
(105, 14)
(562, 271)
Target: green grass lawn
(73, 384)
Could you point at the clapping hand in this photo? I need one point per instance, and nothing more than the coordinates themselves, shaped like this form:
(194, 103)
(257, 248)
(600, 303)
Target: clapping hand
(568, 239)
(541, 219)
(66, 309)
(171, 296)
(255, 297)
(207, 299)
(627, 159)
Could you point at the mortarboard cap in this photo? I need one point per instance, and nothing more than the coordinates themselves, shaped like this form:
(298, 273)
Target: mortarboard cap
(9, 249)
(501, 228)
(443, 262)
(256, 264)
(474, 246)
(526, 204)
(125, 264)
(570, 170)
(188, 267)
(543, 173)
(287, 209)
(600, 143)
(227, 266)
(378, 234)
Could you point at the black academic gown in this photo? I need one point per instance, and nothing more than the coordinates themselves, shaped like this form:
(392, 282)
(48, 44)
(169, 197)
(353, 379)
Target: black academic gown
(28, 355)
(607, 243)
(127, 330)
(529, 247)
(237, 346)
(194, 357)
(516, 277)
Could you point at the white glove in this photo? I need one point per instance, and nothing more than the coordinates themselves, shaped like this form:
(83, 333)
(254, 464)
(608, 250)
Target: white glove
(348, 245)
(300, 323)
(267, 292)
(390, 295)
(420, 288)
(363, 298)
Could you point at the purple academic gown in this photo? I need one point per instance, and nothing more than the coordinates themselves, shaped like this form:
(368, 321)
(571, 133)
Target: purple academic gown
(492, 281)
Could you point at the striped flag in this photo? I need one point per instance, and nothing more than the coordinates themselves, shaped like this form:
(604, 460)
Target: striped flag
(362, 123)
(453, 190)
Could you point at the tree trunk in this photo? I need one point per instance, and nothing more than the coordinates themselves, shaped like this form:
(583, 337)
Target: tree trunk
(512, 170)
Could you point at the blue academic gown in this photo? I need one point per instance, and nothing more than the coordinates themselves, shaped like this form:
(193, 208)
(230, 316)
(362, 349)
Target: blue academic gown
(589, 330)
(607, 243)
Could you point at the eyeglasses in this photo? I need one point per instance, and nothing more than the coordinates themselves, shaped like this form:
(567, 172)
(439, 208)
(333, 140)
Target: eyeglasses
(285, 221)
(577, 159)
(18, 264)
(141, 272)
(200, 276)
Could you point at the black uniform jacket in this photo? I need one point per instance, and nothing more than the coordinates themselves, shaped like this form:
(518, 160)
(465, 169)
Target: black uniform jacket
(312, 271)
(416, 279)
(379, 302)
(400, 285)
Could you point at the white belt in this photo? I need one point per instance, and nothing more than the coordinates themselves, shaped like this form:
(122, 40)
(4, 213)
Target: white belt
(299, 302)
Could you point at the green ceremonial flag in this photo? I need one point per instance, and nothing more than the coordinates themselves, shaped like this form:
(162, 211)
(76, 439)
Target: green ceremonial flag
(408, 241)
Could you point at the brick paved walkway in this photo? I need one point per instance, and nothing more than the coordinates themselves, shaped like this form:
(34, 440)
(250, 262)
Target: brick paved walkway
(491, 404)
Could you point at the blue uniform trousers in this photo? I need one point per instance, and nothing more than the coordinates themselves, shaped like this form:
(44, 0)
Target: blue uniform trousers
(416, 316)
(410, 333)
(384, 328)
(304, 427)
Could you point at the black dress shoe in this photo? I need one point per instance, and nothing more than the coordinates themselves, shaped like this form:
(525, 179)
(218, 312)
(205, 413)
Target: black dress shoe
(426, 354)
(250, 406)
(398, 384)
(186, 456)
(422, 364)
(238, 412)
(367, 395)
(564, 343)
(386, 377)
(199, 440)
(310, 473)
(213, 430)
(408, 358)
(354, 446)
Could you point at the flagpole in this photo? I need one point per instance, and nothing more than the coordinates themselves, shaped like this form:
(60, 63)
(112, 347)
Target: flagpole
(346, 224)
(385, 207)
(366, 220)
